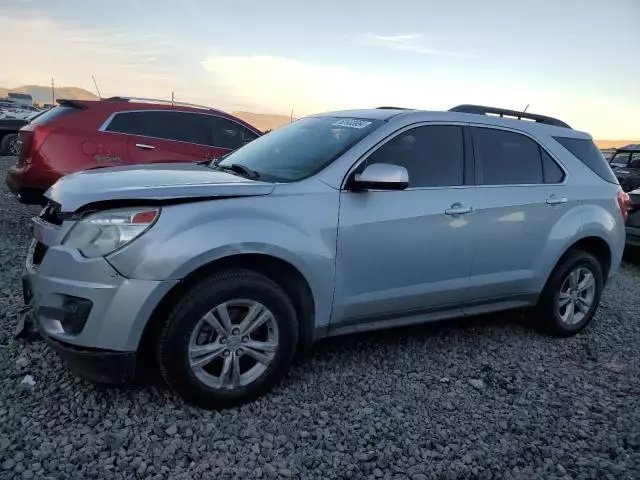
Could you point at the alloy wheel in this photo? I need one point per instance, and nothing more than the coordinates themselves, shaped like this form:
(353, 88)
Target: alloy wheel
(576, 296)
(233, 344)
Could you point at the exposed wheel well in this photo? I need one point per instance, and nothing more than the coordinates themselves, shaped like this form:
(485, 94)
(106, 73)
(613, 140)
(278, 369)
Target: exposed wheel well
(597, 247)
(280, 271)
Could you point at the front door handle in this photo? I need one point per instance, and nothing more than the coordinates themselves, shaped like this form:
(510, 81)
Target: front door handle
(457, 209)
(144, 146)
(553, 200)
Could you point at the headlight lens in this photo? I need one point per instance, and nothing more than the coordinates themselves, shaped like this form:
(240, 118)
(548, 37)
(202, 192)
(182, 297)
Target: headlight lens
(102, 233)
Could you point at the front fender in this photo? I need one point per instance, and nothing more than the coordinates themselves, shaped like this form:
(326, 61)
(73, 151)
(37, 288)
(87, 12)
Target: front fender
(187, 237)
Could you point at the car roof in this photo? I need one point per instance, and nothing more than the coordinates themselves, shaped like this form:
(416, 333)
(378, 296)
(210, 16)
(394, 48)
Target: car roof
(407, 115)
(632, 147)
(117, 104)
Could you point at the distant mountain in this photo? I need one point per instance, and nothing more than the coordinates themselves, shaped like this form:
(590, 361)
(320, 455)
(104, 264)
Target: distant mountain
(43, 94)
(604, 144)
(263, 121)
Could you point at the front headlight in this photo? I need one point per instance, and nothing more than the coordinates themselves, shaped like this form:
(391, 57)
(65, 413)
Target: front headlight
(102, 233)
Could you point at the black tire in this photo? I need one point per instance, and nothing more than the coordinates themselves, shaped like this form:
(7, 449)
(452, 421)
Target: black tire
(5, 144)
(546, 314)
(173, 341)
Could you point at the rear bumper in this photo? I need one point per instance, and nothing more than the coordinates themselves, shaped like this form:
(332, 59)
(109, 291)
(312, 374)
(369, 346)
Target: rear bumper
(29, 195)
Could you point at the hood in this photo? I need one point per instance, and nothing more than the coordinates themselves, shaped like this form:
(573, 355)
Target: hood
(157, 182)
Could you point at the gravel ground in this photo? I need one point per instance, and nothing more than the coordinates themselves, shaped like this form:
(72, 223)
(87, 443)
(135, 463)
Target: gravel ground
(481, 398)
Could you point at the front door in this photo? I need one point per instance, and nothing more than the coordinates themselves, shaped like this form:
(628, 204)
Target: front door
(404, 253)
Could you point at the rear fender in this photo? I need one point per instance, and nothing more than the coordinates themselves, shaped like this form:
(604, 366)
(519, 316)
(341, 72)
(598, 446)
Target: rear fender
(577, 224)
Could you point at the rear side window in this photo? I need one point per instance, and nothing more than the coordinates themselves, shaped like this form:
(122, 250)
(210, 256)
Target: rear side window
(552, 172)
(635, 160)
(587, 152)
(507, 158)
(179, 126)
(53, 114)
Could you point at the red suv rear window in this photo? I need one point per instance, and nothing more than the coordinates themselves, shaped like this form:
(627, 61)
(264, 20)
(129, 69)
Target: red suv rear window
(52, 114)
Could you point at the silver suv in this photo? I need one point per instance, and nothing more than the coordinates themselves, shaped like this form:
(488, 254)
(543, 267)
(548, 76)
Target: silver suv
(219, 272)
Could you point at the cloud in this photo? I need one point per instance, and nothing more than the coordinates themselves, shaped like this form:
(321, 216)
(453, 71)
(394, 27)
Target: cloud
(408, 42)
(278, 84)
(72, 54)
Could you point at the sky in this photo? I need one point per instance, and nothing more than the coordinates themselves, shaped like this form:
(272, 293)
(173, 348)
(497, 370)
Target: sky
(572, 59)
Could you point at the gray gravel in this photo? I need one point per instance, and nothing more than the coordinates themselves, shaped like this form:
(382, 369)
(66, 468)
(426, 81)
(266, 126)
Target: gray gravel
(483, 398)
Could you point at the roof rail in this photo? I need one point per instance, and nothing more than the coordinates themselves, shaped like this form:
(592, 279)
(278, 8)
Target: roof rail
(157, 100)
(393, 108)
(503, 112)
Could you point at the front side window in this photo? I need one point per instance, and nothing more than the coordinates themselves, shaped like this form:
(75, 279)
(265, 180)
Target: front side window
(433, 155)
(507, 158)
(302, 148)
(229, 134)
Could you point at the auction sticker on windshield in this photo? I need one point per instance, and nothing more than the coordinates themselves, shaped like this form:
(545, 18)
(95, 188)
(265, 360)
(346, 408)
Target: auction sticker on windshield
(351, 123)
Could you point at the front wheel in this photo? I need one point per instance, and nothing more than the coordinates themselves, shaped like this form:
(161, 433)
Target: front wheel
(572, 294)
(230, 339)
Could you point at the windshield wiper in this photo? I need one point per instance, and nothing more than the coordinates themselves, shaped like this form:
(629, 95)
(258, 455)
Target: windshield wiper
(212, 161)
(238, 168)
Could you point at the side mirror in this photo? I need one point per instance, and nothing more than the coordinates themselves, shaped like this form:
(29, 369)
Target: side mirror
(381, 176)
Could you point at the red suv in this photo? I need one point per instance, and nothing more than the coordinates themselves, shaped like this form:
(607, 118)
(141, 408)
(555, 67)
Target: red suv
(81, 135)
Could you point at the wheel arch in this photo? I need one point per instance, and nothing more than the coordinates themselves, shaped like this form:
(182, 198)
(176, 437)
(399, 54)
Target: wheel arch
(593, 244)
(280, 271)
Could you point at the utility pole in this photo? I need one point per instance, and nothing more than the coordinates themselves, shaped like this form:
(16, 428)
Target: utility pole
(53, 92)
(172, 98)
(291, 118)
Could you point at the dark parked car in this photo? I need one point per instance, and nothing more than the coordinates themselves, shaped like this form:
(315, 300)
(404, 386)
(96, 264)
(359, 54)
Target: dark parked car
(625, 163)
(82, 135)
(9, 142)
(633, 219)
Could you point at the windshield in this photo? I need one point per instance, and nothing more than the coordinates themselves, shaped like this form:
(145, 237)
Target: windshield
(620, 159)
(300, 149)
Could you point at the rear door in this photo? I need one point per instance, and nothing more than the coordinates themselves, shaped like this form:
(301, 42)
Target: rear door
(520, 199)
(156, 136)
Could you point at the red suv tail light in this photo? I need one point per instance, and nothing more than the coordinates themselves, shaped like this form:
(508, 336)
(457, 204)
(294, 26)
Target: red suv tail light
(623, 203)
(31, 140)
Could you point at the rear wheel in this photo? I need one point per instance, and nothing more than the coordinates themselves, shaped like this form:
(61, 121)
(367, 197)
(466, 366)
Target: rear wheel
(10, 145)
(230, 339)
(572, 294)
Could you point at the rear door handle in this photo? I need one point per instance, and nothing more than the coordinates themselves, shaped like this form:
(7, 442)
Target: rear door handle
(144, 146)
(553, 200)
(457, 209)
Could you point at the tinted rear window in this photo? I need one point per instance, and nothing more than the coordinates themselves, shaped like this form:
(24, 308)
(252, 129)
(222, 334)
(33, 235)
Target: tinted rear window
(53, 114)
(507, 158)
(587, 152)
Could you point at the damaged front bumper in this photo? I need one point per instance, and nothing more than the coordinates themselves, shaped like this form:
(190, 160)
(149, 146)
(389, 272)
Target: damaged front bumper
(97, 365)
